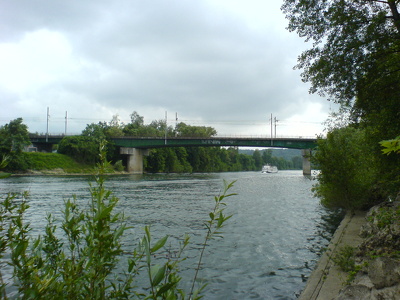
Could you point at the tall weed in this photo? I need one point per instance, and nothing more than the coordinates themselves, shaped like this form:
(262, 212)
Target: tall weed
(81, 263)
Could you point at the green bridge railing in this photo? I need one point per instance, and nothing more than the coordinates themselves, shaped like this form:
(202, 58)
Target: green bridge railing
(158, 142)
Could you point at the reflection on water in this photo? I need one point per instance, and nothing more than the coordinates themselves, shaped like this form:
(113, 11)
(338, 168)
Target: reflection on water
(270, 245)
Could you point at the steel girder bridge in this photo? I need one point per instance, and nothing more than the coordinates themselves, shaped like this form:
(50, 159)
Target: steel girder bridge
(137, 147)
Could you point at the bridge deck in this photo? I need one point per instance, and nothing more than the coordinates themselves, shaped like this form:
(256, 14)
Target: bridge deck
(159, 142)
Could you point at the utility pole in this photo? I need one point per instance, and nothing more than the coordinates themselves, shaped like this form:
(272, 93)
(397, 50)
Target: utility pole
(275, 121)
(166, 127)
(66, 122)
(271, 131)
(176, 123)
(47, 125)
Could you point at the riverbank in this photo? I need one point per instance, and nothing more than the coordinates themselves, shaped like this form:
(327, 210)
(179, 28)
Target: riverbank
(376, 269)
(61, 172)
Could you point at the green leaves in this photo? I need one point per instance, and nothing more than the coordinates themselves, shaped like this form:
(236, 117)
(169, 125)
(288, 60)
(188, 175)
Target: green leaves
(391, 146)
(348, 37)
(348, 169)
(160, 243)
(213, 225)
(79, 261)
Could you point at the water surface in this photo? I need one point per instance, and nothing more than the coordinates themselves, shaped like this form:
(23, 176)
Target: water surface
(270, 245)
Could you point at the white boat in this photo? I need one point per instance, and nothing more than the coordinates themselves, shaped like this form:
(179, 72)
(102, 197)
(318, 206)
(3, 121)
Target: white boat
(269, 169)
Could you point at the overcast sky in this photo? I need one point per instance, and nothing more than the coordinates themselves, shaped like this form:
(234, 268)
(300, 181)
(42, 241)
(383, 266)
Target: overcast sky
(221, 63)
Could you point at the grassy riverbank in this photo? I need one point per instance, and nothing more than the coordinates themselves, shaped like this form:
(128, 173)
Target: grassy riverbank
(55, 163)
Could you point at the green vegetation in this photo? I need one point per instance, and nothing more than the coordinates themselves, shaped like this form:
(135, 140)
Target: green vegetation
(14, 137)
(50, 161)
(353, 61)
(84, 150)
(348, 170)
(169, 160)
(345, 259)
(78, 260)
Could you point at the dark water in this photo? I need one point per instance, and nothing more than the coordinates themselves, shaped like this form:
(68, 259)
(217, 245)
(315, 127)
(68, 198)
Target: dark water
(270, 245)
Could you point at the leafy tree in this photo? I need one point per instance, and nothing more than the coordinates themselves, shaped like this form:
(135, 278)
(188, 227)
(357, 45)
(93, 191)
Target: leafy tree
(84, 149)
(267, 157)
(247, 162)
(114, 128)
(297, 162)
(97, 131)
(155, 162)
(348, 170)
(354, 59)
(133, 128)
(136, 120)
(350, 39)
(182, 156)
(14, 137)
(257, 159)
(184, 130)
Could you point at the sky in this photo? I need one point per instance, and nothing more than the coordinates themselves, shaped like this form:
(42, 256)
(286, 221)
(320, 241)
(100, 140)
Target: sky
(227, 64)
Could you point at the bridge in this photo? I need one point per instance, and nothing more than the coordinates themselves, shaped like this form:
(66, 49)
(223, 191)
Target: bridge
(137, 147)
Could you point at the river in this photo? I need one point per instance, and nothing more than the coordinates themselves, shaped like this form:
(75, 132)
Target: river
(270, 245)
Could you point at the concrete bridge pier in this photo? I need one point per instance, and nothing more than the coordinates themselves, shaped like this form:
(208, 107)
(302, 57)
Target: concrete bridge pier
(306, 153)
(135, 159)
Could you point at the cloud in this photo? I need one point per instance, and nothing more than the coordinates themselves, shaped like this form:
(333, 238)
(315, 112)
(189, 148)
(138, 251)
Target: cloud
(209, 61)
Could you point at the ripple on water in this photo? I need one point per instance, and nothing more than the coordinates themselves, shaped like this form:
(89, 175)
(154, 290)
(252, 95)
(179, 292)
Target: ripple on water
(270, 244)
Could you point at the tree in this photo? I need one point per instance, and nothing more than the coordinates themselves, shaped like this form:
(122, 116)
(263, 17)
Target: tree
(84, 149)
(115, 127)
(97, 131)
(267, 157)
(136, 120)
(355, 61)
(350, 38)
(184, 130)
(14, 137)
(257, 159)
(348, 170)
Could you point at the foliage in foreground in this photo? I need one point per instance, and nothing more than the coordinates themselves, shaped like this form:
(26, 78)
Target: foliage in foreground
(81, 263)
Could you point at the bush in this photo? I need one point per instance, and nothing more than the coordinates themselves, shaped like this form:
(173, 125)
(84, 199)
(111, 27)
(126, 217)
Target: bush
(118, 166)
(348, 170)
(82, 266)
(19, 162)
(84, 149)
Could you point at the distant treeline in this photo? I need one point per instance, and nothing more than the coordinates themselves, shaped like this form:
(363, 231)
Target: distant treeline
(85, 148)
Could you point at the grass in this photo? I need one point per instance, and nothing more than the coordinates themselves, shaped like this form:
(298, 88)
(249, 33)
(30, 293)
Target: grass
(50, 161)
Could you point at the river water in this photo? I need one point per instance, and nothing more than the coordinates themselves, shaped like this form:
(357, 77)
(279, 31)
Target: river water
(270, 245)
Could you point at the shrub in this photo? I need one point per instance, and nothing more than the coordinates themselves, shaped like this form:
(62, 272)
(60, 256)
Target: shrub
(82, 263)
(84, 149)
(118, 166)
(348, 170)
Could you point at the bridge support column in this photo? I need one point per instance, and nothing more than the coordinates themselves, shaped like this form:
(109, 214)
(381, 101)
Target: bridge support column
(306, 153)
(135, 159)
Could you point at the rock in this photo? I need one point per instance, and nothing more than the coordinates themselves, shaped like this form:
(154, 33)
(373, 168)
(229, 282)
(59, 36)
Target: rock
(363, 279)
(367, 230)
(384, 272)
(389, 293)
(355, 292)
